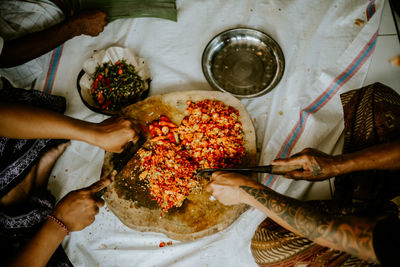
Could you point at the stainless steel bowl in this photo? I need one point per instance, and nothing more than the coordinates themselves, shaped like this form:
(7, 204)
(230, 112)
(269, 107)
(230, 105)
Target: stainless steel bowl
(244, 62)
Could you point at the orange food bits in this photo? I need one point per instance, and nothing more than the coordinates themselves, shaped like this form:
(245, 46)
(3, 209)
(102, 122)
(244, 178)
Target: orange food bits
(210, 136)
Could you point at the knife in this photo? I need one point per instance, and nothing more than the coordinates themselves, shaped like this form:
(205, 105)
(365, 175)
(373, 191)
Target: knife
(273, 169)
(121, 159)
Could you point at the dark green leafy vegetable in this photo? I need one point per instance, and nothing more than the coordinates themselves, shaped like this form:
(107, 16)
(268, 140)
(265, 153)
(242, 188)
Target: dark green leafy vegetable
(116, 85)
(117, 9)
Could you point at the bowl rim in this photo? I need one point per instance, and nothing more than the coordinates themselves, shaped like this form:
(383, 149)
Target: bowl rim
(206, 58)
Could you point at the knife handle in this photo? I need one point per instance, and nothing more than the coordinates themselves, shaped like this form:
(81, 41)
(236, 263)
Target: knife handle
(279, 169)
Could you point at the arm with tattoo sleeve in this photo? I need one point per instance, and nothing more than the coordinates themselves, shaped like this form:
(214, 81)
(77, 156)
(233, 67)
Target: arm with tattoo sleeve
(348, 233)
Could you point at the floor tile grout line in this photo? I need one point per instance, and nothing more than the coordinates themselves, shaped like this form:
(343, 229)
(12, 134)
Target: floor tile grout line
(387, 34)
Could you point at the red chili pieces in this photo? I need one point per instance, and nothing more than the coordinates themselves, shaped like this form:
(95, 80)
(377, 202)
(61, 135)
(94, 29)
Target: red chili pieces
(213, 134)
(167, 166)
(210, 136)
(162, 244)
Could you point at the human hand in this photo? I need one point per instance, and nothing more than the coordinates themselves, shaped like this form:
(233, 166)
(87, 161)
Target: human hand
(225, 187)
(114, 133)
(89, 22)
(317, 166)
(78, 208)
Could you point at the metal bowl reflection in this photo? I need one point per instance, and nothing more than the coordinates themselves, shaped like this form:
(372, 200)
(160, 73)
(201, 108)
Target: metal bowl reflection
(244, 62)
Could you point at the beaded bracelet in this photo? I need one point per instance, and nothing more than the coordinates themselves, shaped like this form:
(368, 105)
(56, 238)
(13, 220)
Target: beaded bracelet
(60, 223)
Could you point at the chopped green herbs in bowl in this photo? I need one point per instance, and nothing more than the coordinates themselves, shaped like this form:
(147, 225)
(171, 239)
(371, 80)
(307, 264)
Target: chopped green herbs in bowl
(116, 85)
(113, 79)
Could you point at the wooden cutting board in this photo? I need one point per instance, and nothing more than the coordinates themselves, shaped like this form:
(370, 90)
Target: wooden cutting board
(129, 199)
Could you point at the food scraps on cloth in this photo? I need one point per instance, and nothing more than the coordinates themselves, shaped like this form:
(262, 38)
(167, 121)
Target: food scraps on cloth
(162, 244)
(209, 136)
(395, 60)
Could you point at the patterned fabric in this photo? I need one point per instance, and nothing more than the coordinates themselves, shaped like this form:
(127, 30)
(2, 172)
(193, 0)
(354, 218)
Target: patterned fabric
(18, 18)
(372, 116)
(17, 157)
(274, 246)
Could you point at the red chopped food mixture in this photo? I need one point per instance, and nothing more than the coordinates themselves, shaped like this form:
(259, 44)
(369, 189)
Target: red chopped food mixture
(169, 169)
(210, 136)
(213, 134)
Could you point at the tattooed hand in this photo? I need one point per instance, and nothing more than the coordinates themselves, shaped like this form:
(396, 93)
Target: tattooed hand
(317, 166)
(225, 187)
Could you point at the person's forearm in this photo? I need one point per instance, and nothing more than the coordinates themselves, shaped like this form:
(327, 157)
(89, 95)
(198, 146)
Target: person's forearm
(41, 247)
(380, 157)
(18, 51)
(349, 234)
(24, 122)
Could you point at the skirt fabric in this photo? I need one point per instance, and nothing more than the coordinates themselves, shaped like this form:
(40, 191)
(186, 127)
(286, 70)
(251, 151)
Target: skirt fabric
(17, 157)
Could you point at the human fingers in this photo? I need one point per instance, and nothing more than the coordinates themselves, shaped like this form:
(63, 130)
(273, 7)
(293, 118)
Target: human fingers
(211, 186)
(136, 132)
(293, 160)
(216, 176)
(226, 195)
(99, 202)
(103, 17)
(298, 175)
(231, 179)
(96, 21)
(99, 185)
(226, 178)
(306, 175)
(128, 127)
(134, 124)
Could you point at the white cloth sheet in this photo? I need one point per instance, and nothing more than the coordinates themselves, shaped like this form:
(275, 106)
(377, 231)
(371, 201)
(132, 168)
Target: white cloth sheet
(326, 53)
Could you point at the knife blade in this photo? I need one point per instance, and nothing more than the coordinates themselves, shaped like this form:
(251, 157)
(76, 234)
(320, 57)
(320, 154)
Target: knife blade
(121, 159)
(273, 169)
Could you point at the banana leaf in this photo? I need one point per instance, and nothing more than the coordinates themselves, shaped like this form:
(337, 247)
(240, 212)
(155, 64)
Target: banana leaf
(116, 9)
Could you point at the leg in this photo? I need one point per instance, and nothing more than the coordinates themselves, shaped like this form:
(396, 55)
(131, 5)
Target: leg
(35, 180)
(21, 192)
(46, 164)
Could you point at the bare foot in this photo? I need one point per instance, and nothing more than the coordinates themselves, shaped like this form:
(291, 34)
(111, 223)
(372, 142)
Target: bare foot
(46, 164)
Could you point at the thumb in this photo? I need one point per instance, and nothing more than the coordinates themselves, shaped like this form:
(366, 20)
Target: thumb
(97, 186)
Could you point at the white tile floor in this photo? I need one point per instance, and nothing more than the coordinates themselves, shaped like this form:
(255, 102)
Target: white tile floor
(380, 70)
(387, 46)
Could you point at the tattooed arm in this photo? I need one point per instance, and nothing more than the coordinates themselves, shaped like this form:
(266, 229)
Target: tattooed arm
(319, 166)
(350, 234)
